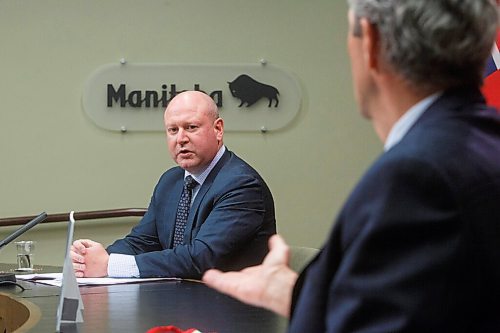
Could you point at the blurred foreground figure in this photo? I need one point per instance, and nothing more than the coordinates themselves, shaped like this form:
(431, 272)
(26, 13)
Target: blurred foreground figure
(416, 247)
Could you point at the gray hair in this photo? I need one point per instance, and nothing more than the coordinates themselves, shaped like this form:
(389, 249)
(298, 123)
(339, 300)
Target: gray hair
(433, 43)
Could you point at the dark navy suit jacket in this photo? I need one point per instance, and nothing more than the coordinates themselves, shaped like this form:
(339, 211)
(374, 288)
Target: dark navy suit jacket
(416, 248)
(229, 224)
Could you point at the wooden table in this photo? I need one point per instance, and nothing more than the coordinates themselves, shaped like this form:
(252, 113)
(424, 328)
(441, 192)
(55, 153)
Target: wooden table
(140, 306)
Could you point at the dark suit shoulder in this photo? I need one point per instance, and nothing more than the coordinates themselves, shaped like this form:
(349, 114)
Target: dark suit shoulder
(168, 180)
(234, 167)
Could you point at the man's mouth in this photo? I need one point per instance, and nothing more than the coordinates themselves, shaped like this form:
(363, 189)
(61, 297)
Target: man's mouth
(184, 152)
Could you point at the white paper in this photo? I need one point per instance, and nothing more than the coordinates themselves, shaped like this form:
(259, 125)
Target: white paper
(55, 279)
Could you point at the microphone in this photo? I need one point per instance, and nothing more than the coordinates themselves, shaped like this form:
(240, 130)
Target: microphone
(23, 229)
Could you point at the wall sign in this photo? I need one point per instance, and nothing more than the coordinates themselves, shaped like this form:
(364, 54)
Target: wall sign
(250, 97)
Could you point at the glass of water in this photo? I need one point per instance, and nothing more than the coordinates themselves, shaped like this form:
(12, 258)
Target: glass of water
(25, 251)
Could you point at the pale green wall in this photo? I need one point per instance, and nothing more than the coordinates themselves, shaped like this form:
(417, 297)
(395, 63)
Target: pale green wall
(54, 159)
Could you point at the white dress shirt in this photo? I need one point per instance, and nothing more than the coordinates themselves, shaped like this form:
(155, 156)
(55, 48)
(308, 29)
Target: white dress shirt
(403, 125)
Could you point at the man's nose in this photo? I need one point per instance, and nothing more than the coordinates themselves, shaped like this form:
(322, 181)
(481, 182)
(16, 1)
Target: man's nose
(182, 136)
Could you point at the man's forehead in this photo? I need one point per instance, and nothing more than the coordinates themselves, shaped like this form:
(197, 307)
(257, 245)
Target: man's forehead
(185, 114)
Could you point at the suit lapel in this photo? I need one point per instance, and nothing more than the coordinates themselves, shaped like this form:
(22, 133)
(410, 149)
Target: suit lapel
(193, 213)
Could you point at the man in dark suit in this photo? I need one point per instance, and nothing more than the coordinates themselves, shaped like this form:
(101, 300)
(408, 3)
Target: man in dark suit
(227, 221)
(416, 247)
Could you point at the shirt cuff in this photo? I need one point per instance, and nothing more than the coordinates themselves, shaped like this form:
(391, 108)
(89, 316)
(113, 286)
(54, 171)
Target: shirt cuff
(122, 265)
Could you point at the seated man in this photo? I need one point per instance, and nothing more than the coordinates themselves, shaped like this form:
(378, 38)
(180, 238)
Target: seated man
(212, 210)
(416, 246)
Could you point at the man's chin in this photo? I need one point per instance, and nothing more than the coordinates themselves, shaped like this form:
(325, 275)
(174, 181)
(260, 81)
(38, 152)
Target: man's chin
(188, 164)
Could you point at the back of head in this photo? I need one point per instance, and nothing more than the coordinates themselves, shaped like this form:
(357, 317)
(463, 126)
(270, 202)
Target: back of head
(433, 44)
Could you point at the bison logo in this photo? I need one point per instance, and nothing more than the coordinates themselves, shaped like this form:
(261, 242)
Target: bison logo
(250, 91)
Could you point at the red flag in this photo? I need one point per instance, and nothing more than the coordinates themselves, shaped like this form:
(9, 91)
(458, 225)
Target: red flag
(491, 85)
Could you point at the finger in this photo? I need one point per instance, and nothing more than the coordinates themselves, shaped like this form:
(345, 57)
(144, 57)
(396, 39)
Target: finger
(79, 274)
(77, 267)
(75, 251)
(223, 282)
(77, 258)
(231, 283)
(88, 242)
(279, 251)
(78, 246)
(235, 284)
(211, 276)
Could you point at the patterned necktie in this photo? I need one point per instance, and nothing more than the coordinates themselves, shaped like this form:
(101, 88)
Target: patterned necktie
(183, 210)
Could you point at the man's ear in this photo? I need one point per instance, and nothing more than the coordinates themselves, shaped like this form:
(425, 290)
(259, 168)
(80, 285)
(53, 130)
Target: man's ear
(370, 44)
(219, 128)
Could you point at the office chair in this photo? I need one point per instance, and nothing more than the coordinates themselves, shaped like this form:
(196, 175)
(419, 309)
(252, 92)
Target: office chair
(300, 256)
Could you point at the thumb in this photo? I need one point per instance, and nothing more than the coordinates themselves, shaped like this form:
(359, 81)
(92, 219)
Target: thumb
(279, 252)
(88, 243)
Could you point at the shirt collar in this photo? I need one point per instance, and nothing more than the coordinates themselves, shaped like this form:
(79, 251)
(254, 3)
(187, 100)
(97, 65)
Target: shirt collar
(403, 125)
(200, 177)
